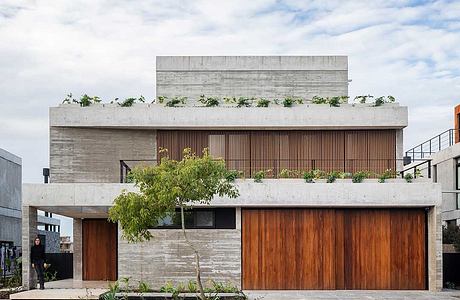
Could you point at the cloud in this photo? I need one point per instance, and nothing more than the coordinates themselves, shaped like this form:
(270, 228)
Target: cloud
(408, 49)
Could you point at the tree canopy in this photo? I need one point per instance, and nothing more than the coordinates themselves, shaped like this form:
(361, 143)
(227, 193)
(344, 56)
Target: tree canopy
(167, 186)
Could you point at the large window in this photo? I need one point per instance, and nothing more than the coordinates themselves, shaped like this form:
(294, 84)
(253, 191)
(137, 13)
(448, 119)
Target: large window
(201, 218)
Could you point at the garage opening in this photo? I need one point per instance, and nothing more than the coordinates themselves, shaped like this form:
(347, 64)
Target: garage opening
(370, 249)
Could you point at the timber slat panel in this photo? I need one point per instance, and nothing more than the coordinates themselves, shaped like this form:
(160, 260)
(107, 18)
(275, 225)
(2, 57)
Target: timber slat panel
(99, 250)
(252, 151)
(369, 249)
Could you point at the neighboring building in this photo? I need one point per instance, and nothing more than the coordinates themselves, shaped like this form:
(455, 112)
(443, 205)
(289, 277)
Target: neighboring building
(66, 244)
(10, 199)
(279, 234)
(10, 209)
(443, 153)
(49, 232)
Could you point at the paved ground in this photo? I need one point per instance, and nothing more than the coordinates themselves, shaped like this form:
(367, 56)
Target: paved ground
(352, 295)
(60, 294)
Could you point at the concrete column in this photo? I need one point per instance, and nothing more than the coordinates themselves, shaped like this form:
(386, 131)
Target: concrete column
(399, 149)
(77, 249)
(434, 249)
(29, 233)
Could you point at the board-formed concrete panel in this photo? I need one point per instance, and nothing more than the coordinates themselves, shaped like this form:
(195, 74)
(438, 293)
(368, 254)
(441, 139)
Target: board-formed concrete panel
(156, 116)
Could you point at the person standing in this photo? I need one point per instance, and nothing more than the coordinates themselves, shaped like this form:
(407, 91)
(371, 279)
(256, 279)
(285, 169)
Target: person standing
(37, 257)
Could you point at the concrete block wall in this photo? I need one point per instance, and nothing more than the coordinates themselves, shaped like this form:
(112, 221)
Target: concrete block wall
(252, 76)
(93, 154)
(52, 241)
(167, 257)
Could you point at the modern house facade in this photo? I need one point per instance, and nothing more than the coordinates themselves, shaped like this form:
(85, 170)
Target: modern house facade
(278, 234)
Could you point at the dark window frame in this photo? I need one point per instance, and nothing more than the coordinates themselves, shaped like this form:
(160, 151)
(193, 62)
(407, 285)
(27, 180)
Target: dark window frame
(195, 226)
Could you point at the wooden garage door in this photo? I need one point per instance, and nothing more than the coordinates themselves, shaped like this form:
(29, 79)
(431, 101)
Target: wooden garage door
(334, 249)
(99, 250)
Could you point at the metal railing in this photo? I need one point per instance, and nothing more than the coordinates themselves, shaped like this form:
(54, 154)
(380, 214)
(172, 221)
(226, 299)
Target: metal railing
(435, 144)
(294, 168)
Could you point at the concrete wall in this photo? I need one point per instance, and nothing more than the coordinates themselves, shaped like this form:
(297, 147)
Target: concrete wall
(10, 197)
(252, 76)
(93, 155)
(154, 116)
(168, 258)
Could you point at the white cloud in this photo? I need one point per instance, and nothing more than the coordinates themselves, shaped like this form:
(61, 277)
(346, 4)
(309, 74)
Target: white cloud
(107, 48)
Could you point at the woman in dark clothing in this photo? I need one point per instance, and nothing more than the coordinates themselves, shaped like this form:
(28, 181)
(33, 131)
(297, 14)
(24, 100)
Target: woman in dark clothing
(37, 257)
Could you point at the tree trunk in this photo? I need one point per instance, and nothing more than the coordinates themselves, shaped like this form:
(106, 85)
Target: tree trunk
(197, 257)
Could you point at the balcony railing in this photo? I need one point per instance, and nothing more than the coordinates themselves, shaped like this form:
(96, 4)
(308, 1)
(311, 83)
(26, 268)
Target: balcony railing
(294, 168)
(435, 144)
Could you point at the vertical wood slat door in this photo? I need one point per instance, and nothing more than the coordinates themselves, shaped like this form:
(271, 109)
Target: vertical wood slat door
(99, 249)
(334, 249)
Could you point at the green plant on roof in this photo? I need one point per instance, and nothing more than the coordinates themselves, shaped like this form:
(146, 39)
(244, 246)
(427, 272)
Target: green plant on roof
(262, 102)
(318, 100)
(176, 101)
(408, 177)
(389, 173)
(382, 100)
(128, 102)
(359, 176)
(363, 99)
(209, 101)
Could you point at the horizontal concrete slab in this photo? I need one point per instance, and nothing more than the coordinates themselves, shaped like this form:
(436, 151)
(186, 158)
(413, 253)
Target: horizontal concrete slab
(74, 198)
(156, 116)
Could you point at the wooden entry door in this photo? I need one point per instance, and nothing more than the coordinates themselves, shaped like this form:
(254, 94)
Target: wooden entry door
(334, 249)
(99, 250)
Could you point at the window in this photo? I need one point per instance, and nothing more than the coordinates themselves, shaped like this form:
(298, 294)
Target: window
(435, 173)
(458, 201)
(201, 218)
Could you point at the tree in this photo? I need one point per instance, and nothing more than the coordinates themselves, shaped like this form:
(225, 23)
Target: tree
(163, 188)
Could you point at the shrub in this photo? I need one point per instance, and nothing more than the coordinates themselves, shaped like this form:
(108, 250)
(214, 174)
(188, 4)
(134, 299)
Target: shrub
(318, 100)
(288, 102)
(334, 101)
(451, 235)
(176, 101)
(209, 101)
(143, 287)
(243, 102)
(259, 175)
(382, 100)
(333, 175)
(128, 102)
(232, 175)
(262, 102)
(309, 176)
(286, 173)
(386, 175)
(359, 176)
(408, 177)
(362, 99)
(161, 99)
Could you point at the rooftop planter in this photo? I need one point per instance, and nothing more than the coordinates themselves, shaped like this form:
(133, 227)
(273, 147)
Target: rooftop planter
(240, 102)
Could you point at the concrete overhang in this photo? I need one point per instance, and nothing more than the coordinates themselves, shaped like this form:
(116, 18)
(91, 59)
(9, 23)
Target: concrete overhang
(156, 116)
(85, 200)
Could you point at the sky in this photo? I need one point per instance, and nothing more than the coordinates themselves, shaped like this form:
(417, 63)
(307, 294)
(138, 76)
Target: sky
(48, 48)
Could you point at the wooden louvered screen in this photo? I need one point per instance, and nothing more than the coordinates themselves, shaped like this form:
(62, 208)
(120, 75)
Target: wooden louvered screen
(251, 151)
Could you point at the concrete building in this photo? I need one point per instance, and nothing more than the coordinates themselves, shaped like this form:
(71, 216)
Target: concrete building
(10, 198)
(443, 154)
(279, 234)
(66, 244)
